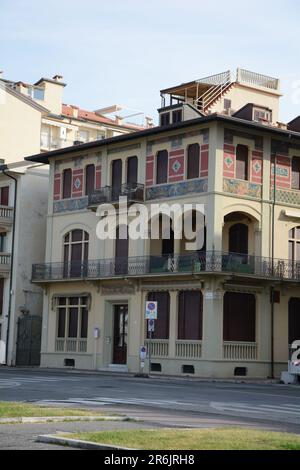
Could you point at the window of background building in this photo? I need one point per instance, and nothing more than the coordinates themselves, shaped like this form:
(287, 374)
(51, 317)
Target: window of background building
(162, 167)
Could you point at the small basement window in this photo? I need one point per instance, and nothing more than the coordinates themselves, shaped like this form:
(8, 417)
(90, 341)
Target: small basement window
(69, 362)
(240, 372)
(155, 367)
(188, 369)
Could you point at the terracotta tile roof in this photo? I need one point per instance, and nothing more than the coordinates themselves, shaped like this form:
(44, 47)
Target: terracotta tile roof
(67, 110)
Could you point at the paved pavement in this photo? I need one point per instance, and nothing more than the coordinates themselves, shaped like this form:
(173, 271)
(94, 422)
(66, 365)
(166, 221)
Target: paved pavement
(158, 401)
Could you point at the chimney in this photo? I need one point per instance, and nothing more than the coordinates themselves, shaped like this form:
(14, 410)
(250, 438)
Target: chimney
(58, 78)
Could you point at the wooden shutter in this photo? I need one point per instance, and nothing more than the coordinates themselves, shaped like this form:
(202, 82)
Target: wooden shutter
(193, 162)
(116, 175)
(89, 179)
(190, 315)
(242, 162)
(1, 295)
(239, 317)
(163, 317)
(132, 170)
(67, 184)
(162, 167)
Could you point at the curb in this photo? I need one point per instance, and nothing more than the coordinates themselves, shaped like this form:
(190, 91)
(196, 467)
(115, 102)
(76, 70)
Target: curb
(77, 444)
(62, 419)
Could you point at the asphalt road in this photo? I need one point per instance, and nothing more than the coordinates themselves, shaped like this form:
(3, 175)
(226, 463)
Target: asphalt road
(159, 401)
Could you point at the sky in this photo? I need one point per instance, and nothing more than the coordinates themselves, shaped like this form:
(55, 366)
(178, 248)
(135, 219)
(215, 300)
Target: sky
(125, 51)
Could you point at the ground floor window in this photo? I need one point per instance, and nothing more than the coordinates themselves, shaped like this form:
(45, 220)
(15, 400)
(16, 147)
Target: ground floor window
(163, 318)
(239, 317)
(294, 319)
(190, 307)
(72, 317)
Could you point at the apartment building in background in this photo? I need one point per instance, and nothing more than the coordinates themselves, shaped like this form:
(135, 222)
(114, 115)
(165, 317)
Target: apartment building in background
(34, 118)
(229, 309)
(23, 214)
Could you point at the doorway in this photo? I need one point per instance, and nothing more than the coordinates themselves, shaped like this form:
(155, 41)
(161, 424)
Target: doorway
(120, 334)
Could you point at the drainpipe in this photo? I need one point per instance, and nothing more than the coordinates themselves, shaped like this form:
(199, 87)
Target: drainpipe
(273, 252)
(3, 169)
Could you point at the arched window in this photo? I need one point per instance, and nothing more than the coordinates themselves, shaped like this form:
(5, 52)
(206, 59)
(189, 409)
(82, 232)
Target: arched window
(89, 179)
(76, 252)
(238, 239)
(242, 162)
(162, 167)
(193, 161)
(294, 244)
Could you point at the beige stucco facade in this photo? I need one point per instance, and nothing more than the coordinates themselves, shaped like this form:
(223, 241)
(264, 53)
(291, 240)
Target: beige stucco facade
(228, 201)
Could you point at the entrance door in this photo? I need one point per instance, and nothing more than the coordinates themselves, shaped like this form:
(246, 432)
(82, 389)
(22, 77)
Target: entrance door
(120, 334)
(29, 340)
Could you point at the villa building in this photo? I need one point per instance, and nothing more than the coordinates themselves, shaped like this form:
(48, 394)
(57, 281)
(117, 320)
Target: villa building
(231, 308)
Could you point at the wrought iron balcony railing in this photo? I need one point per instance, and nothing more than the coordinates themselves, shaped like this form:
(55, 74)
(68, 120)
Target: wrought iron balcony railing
(194, 263)
(133, 191)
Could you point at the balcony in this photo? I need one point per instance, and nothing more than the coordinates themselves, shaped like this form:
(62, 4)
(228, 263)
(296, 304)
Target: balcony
(108, 194)
(243, 266)
(5, 263)
(6, 217)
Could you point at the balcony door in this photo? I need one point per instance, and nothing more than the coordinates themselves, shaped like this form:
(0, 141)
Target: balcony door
(238, 239)
(76, 245)
(120, 334)
(132, 170)
(116, 178)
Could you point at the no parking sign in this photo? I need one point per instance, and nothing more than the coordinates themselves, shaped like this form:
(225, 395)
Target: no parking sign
(151, 310)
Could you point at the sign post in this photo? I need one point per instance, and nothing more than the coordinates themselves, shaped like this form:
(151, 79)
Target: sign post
(151, 316)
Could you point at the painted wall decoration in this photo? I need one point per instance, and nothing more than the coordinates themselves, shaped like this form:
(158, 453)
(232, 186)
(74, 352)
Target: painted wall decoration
(177, 189)
(242, 188)
(77, 185)
(176, 166)
(283, 171)
(229, 161)
(69, 205)
(257, 167)
(286, 197)
(57, 186)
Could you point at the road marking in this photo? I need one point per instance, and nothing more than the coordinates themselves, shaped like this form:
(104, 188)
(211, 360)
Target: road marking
(286, 409)
(19, 381)
(102, 401)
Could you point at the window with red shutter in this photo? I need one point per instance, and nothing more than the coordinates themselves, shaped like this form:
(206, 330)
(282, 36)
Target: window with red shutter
(5, 196)
(190, 315)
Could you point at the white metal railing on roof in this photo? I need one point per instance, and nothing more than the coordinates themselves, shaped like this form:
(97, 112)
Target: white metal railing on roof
(257, 79)
(217, 79)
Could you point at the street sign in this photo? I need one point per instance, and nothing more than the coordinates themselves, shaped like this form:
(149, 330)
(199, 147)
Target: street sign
(151, 310)
(143, 353)
(151, 325)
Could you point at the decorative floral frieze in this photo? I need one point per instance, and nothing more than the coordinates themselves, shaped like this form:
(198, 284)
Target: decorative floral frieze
(69, 205)
(242, 188)
(286, 197)
(177, 189)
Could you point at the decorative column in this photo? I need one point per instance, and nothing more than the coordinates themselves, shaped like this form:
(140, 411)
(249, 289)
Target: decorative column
(212, 340)
(173, 322)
